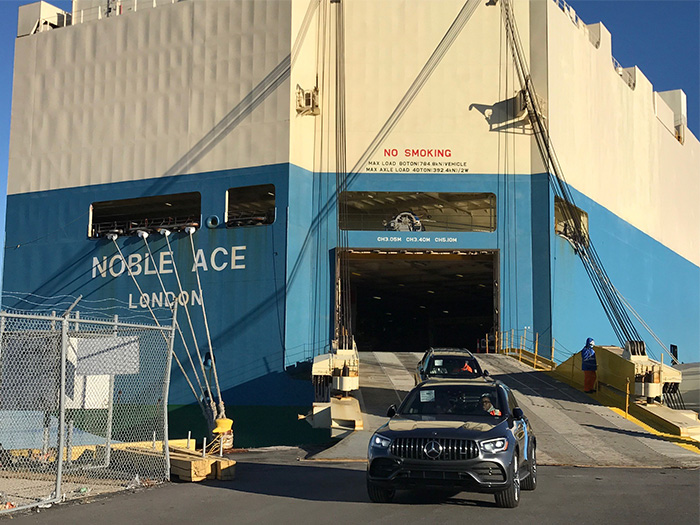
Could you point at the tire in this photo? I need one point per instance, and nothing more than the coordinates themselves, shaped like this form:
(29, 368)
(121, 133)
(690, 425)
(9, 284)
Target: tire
(379, 494)
(510, 498)
(530, 482)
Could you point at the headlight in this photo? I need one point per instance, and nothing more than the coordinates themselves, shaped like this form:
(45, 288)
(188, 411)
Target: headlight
(494, 445)
(379, 441)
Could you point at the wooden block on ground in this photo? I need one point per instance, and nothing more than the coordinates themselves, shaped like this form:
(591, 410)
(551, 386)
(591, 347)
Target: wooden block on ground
(225, 468)
(184, 451)
(192, 468)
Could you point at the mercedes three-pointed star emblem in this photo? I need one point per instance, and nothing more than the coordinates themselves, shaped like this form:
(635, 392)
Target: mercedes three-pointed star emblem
(432, 449)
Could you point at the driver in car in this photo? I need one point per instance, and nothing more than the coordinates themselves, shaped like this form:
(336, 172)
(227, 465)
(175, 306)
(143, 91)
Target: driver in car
(488, 407)
(457, 368)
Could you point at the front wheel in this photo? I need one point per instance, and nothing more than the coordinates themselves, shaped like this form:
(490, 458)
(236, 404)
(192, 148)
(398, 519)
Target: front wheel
(379, 494)
(510, 497)
(530, 482)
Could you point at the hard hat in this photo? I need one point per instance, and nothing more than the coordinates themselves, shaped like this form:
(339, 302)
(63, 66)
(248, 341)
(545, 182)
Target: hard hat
(223, 425)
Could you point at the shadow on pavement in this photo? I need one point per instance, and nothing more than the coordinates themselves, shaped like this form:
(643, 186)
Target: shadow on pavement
(310, 482)
(298, 481)
(648, 435)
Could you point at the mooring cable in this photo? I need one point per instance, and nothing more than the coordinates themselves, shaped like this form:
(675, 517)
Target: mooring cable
(144, 236)
(166, 233)
(222, 410)
(113, 237)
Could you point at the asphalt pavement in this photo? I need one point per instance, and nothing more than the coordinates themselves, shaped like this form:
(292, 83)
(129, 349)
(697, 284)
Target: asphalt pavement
(595, 467)
(279, 486)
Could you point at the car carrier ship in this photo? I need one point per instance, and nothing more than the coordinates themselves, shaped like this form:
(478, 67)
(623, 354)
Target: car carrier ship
(294, 172)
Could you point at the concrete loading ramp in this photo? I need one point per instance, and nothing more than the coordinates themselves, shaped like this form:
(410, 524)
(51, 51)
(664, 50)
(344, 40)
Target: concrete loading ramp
(572, 428)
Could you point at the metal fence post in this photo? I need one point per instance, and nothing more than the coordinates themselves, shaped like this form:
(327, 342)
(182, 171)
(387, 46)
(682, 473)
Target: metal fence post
(62, 408)
(69, 443)
(166, 388)
(110, 417)
(135, 411)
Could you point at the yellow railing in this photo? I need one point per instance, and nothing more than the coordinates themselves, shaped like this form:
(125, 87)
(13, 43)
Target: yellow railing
(524, 346)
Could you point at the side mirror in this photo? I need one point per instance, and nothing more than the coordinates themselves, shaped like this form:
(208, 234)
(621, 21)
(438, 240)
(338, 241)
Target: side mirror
(518, 413)
(391, 411)
(486, 373)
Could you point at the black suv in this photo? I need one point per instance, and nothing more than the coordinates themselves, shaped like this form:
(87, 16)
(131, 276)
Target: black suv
(454, 363)
(463, 435)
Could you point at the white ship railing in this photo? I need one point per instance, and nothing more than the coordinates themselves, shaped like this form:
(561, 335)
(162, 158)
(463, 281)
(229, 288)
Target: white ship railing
(626, 75)
(97, 13)
(126, 6)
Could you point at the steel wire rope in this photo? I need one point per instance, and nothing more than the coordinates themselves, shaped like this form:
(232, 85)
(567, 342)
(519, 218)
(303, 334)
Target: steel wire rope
(547, 154)
(514, 178)
(643, 323)
(427, 70)
(510, 223)
(166, 234)
(177, 360)
(344, 320)
(327, 139)
(507, 211)
(144, 236)
(501, 180)
(319, 282)
(619, 320)
(448, 39)
(222, 409)
(462, 17)
(48, 234)
(71, 298)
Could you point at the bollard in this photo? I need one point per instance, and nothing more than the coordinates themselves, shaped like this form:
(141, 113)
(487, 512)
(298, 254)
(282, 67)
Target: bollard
(204, 448)
(537, 339)
(627, 399)
(189, 435)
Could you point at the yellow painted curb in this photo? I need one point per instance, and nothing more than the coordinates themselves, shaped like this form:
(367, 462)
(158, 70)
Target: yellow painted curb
(686, 443)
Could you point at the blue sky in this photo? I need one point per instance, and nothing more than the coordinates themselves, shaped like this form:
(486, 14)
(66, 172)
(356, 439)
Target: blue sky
(661, 37)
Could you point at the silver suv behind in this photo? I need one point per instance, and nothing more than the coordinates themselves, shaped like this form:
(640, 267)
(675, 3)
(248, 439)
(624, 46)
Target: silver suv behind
(452, 363)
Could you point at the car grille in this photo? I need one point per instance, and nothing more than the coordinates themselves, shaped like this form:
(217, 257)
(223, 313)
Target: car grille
(435, 449)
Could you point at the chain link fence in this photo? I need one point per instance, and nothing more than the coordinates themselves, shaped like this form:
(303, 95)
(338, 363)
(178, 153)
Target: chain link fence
(83, 407)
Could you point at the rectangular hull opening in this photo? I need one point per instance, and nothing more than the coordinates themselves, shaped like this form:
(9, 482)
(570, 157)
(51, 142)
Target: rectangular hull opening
(407, 301)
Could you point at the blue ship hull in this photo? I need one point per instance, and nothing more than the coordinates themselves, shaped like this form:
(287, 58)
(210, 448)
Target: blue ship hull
(268, 291)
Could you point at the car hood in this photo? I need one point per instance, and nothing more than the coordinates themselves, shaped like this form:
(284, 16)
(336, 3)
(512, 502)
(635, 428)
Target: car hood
(408, 424)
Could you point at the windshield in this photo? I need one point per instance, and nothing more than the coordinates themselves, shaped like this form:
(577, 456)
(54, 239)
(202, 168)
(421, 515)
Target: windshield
(453, 366)
(461, 400)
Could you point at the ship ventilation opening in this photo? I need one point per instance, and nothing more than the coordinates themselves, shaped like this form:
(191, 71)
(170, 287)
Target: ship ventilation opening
(411, 300)
(145, 214)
